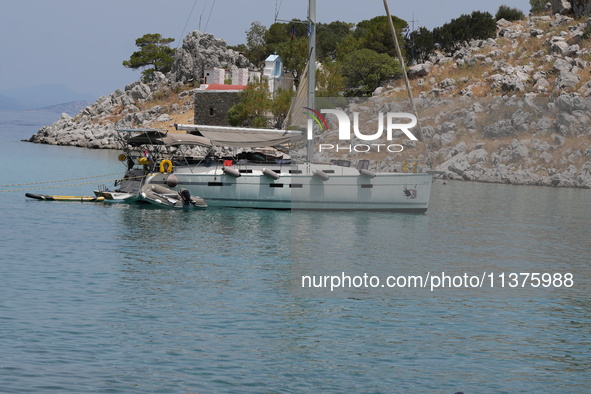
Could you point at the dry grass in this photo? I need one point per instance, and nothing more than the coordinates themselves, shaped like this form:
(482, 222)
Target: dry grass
(186, 118)
(530, 51)
(522, 51)
(166, 100)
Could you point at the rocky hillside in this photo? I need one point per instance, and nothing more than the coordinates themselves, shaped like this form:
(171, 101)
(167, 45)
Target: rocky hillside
(511, 109)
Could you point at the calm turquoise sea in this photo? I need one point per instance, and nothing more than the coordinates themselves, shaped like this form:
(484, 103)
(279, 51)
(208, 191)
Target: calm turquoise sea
(120, 299)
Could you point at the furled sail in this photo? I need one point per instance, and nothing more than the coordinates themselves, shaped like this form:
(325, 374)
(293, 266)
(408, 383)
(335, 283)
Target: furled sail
(296, 118)
(157, 137)
(242, 136)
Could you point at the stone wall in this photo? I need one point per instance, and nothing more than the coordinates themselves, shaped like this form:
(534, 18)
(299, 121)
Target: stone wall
(211, 107)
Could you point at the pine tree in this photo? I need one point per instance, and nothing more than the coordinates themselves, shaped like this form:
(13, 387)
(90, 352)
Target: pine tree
(154, 51)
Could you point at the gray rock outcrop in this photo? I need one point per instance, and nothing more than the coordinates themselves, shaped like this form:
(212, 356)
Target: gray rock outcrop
(419, 70)
(202, 51)
(526, 141)
(576, 7)
(561, 6)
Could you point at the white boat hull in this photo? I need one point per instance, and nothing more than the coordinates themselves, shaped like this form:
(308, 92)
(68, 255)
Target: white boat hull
(298, 188)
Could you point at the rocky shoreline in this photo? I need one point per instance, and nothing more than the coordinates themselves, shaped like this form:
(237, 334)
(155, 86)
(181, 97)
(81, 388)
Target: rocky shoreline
(531, 130)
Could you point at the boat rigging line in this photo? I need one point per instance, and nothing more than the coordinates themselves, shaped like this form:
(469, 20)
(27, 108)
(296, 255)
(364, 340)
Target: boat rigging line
(66, 180)
(277, 9)
(63, 180)
(201, 16)
(209, 16)
(186, 24)
(406, 81)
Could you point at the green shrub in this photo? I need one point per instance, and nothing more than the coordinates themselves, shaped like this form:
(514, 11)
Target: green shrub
(159, 95)
(586, 33)
(477, 26)
(420, 45)
(537, 6)
(365, 69)
(509, 13)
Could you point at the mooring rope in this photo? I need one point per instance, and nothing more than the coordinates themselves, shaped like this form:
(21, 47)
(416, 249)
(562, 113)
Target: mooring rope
(71, 184)
(63, 180)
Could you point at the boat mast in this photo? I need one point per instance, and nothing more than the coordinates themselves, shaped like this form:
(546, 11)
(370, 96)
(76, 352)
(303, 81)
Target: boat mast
(311, 70)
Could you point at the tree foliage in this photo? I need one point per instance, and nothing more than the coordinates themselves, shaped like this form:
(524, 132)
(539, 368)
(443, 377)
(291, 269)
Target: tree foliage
(330, 36)
(280, 34)
(537, 6)
(356, 59)
(280, 106)
(153, 51)
(290, 41)
(336, 41)
(365, 69)
(256, 49)
(256, 103)
(477, 26)
(509, 13)
(294, 55)
(330, 81)
(375, 34)
(420, 45)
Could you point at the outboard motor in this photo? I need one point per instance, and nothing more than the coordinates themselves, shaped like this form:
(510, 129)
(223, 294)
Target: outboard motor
(186, 197)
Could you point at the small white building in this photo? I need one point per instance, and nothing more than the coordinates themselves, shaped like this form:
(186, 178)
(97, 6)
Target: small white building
(239, 76)
(275, 76)
(273, 73)
(254, 76)
(214, 76)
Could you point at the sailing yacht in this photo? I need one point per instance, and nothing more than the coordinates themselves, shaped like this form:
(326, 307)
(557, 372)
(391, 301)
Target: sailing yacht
(270, 179)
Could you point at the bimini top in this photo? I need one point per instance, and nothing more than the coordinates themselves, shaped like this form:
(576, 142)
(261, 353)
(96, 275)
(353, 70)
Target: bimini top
(242, 136)
(157, 137)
